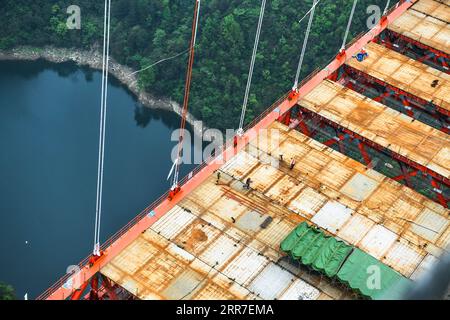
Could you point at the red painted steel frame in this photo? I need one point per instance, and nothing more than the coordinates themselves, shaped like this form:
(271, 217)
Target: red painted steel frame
(418, 100)
(363, 141)
(118, 242)
(387, 42)
(408, 100)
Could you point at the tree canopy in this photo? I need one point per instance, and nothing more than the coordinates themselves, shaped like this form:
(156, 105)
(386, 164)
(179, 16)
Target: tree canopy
(144, 31)
(6, 292)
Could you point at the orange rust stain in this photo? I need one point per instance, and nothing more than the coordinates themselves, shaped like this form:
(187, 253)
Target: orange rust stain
(296, 218)
(196, 236)
(199, 235)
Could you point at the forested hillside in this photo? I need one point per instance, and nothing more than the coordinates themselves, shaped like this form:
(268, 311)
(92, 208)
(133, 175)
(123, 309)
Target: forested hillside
(144, 31)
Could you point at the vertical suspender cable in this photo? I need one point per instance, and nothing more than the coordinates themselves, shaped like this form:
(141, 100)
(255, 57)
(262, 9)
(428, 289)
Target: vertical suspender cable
(349, 24)
(252, 64)
(101, 148)
(305, 41)
(186, 94)
(101, 128)
(105, 104)
(387, 7)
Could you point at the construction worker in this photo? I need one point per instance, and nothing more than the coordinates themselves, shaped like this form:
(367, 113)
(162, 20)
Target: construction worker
(291, 166)
(361, 56)
(218, 177)
(247, 184)
(434, 83)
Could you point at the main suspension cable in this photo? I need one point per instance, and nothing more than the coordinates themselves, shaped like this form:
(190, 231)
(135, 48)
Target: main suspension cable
(103, 109)
(177, 162)
(305, 41)
(252, 64)
(348, 25)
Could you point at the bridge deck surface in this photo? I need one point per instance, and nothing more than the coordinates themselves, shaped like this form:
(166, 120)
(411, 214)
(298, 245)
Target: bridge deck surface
(406, 74)
(374, 121)
(222, 241)
(427, 21)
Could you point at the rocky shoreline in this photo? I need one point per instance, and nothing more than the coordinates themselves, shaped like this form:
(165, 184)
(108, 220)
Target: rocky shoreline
(93, 59)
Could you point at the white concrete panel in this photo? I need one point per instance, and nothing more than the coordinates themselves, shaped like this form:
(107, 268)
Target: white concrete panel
(245, 266)
(332, 216)
(378, 241)
(271, 282)
(220, 251)
(429, 225)
(355, 228)
(403, 258)
(359, 187)
(171, 224)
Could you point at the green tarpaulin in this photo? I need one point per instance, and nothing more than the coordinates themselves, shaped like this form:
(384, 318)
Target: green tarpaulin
(370, 277)
(357, 269)
(315, 249)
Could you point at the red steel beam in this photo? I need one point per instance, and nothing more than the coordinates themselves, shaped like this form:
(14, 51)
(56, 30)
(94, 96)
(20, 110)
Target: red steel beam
(404, 175)
(79, 291)
(378, 147)
(109, 288)
(359, 81)
(440, 196)
(362, 142)
(442, 57)
(419, 102)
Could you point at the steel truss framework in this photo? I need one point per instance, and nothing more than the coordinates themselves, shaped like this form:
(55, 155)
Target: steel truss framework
(414, 49)
(100, 287)
(412, 105)
(312, 124)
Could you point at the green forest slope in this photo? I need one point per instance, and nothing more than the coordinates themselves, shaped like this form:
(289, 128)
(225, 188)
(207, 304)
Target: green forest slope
(144, 31)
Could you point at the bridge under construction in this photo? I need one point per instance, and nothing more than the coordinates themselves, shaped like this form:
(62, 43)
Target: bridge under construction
(350, 168)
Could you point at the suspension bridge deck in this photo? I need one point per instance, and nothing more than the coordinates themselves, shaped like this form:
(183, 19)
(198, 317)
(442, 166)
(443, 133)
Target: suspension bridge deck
(427, 21)
(406, 74)
(222, 241)
(376, 122)
(438, 9)
(219, 240)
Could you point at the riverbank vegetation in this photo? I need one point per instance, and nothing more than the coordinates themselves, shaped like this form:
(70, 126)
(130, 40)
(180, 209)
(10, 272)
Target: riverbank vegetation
(6, 292)
(144, 31)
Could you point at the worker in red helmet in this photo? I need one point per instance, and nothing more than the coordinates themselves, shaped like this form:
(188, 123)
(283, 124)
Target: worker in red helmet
(361, 56)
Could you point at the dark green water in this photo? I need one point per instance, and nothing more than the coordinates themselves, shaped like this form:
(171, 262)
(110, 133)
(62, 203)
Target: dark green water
(49, 117)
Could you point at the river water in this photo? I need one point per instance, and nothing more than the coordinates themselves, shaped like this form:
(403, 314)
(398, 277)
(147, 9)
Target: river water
(49, 118)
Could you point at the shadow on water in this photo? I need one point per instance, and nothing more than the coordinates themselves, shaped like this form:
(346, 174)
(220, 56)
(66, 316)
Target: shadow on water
(32, 69)
(49, 116)
(144, 116)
